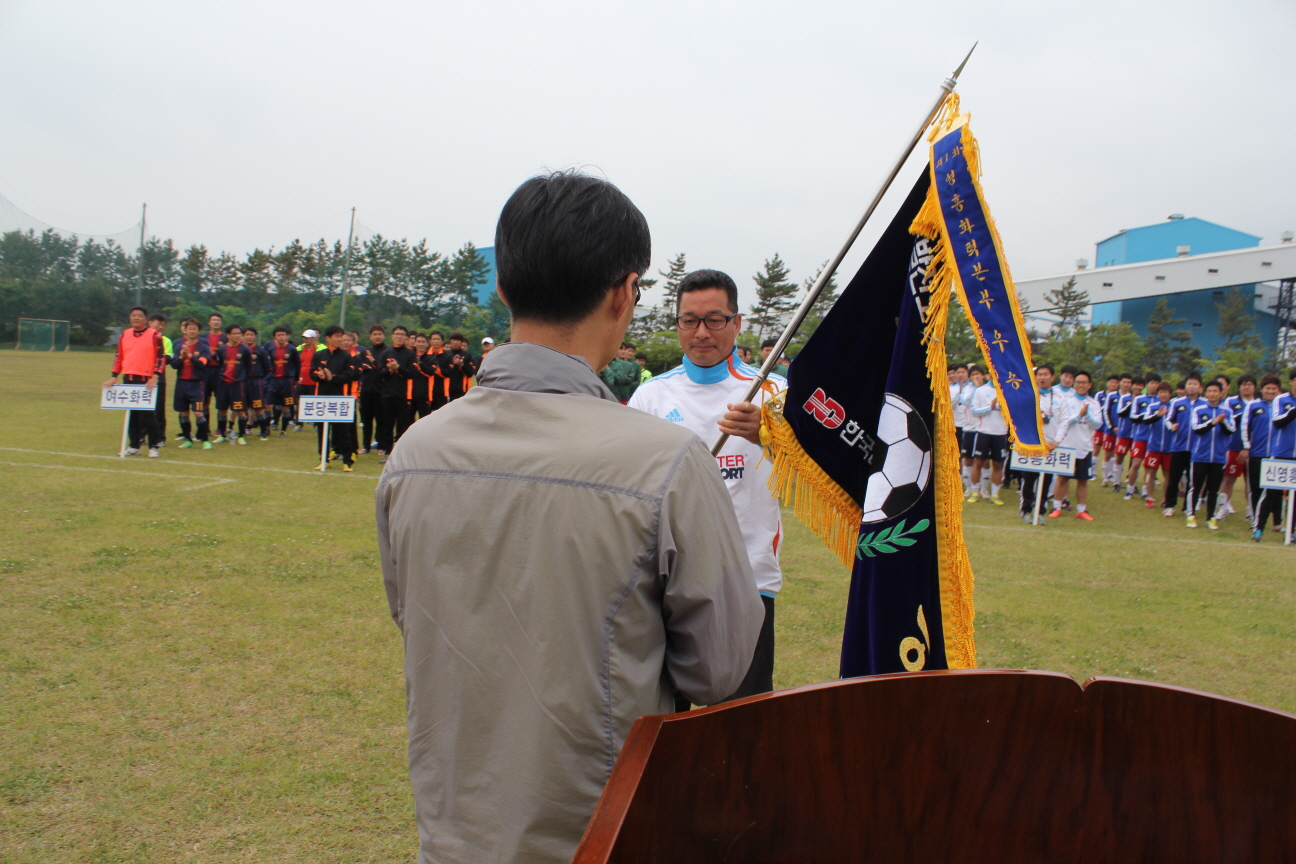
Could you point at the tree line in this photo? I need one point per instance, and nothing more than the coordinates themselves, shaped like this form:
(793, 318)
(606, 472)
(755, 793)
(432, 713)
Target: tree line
(92, 285)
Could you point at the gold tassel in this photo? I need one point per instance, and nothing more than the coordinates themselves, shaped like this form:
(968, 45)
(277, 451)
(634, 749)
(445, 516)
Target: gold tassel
(958, 614)
(795, 478)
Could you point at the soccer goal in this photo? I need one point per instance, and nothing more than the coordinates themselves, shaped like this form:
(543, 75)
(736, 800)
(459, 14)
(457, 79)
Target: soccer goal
(42, 334)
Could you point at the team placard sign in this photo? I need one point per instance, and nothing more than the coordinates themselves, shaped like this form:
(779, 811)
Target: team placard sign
(1277, 474)
(128, 397)
(1060, 461)
(326, 409)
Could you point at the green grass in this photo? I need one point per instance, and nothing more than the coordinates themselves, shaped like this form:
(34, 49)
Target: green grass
(196, 662)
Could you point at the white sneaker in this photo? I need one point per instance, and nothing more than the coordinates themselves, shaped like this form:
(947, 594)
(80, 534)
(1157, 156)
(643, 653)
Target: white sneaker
(153, 454)
(133, 451)
(161, 443)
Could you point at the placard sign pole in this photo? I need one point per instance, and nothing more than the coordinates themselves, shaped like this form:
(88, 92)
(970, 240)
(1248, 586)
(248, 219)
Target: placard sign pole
(324, 448)
(125, 442)
(1039, 498)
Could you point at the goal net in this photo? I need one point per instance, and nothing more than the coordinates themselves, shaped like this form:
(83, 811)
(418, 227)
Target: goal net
(41, 334)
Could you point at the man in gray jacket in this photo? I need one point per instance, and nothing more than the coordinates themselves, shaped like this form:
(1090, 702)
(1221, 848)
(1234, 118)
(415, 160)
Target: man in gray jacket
(558, 565)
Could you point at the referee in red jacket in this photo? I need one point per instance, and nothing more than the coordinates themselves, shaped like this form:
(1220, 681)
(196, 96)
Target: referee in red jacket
(141, 359)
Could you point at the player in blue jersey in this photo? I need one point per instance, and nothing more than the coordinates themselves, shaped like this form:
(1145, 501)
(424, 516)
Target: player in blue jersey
(1233, 466)
(1108, 400)
(1256, 429)
(1212, 427)
(1158, 443)
(1178, 420)
(1119, 416)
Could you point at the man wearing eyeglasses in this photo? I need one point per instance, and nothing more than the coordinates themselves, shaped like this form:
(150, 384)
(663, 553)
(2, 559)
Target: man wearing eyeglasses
(704, 395)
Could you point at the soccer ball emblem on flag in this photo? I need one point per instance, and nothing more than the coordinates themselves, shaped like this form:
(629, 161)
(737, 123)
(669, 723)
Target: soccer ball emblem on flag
(903, 461)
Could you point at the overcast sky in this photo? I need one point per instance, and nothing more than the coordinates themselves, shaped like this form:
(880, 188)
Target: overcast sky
(740, 129)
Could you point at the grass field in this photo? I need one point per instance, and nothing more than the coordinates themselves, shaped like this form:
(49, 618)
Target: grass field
(197, 664)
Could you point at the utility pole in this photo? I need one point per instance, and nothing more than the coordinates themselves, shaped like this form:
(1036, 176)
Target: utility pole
(139, 285)
(346, 270)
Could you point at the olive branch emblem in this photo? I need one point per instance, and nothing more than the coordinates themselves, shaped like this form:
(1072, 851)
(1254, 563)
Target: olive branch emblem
(888, 539)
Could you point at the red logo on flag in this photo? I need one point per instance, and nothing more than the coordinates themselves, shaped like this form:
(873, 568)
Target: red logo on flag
(827, 411)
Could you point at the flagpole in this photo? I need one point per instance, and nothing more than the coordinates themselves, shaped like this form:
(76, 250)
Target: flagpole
(830, 269)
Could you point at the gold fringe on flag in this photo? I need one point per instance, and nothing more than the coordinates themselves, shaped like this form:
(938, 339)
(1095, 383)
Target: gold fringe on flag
(799, 482)
(958, 613)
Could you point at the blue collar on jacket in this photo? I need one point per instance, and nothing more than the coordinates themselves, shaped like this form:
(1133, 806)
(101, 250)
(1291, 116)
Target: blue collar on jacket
(709, 374)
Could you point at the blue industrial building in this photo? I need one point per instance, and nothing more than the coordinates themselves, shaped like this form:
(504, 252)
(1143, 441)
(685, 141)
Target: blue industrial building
(486, 287)
(1180, 237)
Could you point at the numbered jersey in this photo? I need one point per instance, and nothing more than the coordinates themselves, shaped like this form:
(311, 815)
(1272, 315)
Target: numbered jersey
(696, 398)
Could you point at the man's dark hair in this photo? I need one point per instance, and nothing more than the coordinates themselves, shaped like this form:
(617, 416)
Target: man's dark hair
(769, 343)
(231, 328)
(1079, 372)
(1070, 370)
(1271, 379)
(1139, 381)
(250, 330)
(642, 356)
(190, 320)
(972, 367)
(700, 280)
(1125, 375)
(1216, 383)
(137, 309)
(215, 315)
(459, 336)
(380, 328)
(1183, 382)
(414, 334)
(1192, 376)
(1165, 385)
(333, 330)
(1223, 378)
(958, 366)
(1113, 377)
(1291, 373)
(157, 316)
(1153, 378)
(404, 330)
(1044, 366)
(432, 333)
(563, 240)
(1246, 379)
(280, 329)
(628, 345)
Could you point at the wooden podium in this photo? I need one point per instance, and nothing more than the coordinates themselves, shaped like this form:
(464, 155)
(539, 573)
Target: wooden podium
(968, 766)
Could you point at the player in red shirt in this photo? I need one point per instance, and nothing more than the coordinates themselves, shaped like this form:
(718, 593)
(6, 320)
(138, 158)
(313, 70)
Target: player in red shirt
(140, 359)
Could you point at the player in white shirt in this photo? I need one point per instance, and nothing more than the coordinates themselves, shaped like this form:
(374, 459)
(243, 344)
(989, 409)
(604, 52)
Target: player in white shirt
(1055, 410)
(704, 395)
(959, 386)
(1082, 420)
(989, 440)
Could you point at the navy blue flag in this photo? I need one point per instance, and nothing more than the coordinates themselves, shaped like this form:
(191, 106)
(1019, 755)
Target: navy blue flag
(863, 432)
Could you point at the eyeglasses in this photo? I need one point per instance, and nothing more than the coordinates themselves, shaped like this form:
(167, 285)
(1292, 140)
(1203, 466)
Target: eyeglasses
(713, 322)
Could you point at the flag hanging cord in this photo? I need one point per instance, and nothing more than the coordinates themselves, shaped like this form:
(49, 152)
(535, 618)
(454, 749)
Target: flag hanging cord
(829, 270)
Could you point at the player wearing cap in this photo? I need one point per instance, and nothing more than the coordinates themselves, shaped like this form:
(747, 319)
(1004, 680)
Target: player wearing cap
(487, 346)
(306, 386)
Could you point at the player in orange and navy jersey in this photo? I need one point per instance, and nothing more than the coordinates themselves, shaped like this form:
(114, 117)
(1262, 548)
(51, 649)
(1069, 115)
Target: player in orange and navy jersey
(234, 360)
(191, 358)
(214, 337)
(306, 386)
(282, 382)
(255, 386)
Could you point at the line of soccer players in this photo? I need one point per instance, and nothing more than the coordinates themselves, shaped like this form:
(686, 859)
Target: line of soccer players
(258, 385)
(1195, 434)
